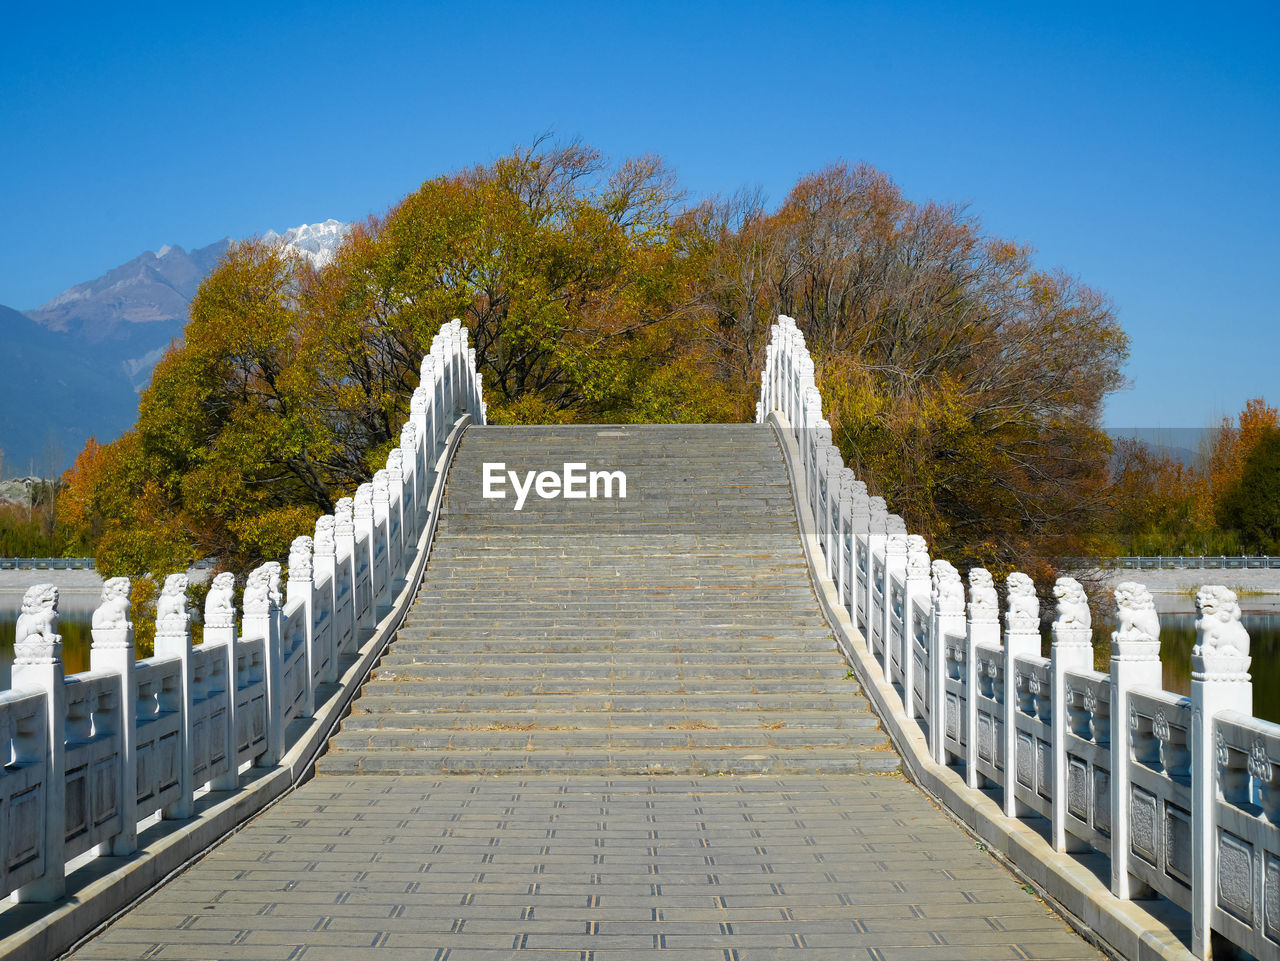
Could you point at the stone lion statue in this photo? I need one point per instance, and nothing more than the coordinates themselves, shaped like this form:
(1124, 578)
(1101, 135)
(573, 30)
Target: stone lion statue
(1073, 605)
(1219, 629)
(112, 612)
(984, 606)
(948, 589)
(917, 556)
(1023, 607)
(1136, 611)
(173, 598)
(38, 622)
(300, 558)
(323, 541)
(219, 603)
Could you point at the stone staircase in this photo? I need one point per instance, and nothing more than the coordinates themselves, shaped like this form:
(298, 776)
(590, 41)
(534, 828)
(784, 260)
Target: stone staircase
(674, 631)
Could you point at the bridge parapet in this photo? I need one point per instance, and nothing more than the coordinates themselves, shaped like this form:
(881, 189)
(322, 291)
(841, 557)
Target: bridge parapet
(1181, 793)
(90, 757)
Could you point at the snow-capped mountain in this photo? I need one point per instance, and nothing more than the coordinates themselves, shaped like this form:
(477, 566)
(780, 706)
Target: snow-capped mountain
(316, 242)
(75, 365)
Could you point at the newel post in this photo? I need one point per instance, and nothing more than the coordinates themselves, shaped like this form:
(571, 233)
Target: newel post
(325, 575)
(262, 619)
(859, 525)
(1072, 651)
(395, 493)
(917, 589)
(947, 605)
(832, 468)
(173, 639)
(895, 569)
(220, 628)
(412, 495)
(37, 666)
(876, 536)
(300, 592)
(381, 545)
(1022, 639)
(984, 629)
(112, 651)
(1135, 662)
(346, 567)
(422, 421)
(366, 554)
(1219, 682)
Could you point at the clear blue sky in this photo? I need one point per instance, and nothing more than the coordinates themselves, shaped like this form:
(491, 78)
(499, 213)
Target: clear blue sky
(1135, 145)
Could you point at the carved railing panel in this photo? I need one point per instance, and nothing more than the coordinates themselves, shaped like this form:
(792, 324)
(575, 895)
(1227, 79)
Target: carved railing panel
(1112, 761)
(87, 757)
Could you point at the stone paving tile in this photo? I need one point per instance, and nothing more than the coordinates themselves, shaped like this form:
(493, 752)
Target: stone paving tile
(465, 869)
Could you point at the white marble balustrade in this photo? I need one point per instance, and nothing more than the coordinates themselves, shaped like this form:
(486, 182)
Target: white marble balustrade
(90, 756)
(1182, 793)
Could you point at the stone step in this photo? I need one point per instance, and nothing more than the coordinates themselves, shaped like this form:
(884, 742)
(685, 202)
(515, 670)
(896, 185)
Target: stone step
(673, 631)
(568, 739)
(528, 672)
(519, 660)
(383, 702)
(674, 761)
(515, 720)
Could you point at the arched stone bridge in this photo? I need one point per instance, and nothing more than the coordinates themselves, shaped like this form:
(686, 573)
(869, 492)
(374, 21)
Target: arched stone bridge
(591, 692)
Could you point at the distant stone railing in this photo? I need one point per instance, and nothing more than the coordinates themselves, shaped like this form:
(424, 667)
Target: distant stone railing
(1163, 562)
(1182, 794)
(89, 757)
(47, 564)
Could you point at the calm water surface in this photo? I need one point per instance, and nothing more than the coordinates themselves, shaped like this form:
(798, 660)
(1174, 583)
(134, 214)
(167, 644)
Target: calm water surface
(1177, 635)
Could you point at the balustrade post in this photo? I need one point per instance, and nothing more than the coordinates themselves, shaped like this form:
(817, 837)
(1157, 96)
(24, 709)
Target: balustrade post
(1022, 639)
(421, 419)
(112, 651)
(983, 629)
(876, 536)
(859, 527)
(916, 590)
(367, 555)
(947, 606)
(325, 572)
(844, 521)
(409, 458)
(173, 639)
(1220, 681)
(395, 507)
(381, 544)
(262, 619)
(833, 465)
(1135, 662)
(895, 569)
(300, 589)
(347, 566)
(220, 628)
(1072, 651)
(37, 666)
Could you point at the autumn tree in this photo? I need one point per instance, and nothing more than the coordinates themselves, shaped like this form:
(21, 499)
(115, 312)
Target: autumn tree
(1252, 507)
(963, 383)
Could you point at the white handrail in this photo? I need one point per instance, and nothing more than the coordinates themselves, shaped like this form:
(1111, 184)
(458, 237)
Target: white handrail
(196, 716)
(1183, 794)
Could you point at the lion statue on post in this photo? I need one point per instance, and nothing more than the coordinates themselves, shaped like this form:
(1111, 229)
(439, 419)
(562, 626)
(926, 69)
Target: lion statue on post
(39, 617)
(1219, 627)
(1073, 605)
(1136, 611)
(112, 612)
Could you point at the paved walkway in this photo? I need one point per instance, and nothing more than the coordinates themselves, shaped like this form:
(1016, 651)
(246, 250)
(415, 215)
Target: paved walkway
(474, 869)
(492, 794)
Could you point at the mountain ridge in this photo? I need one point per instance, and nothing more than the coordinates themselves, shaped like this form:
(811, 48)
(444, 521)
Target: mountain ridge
(77, 363)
